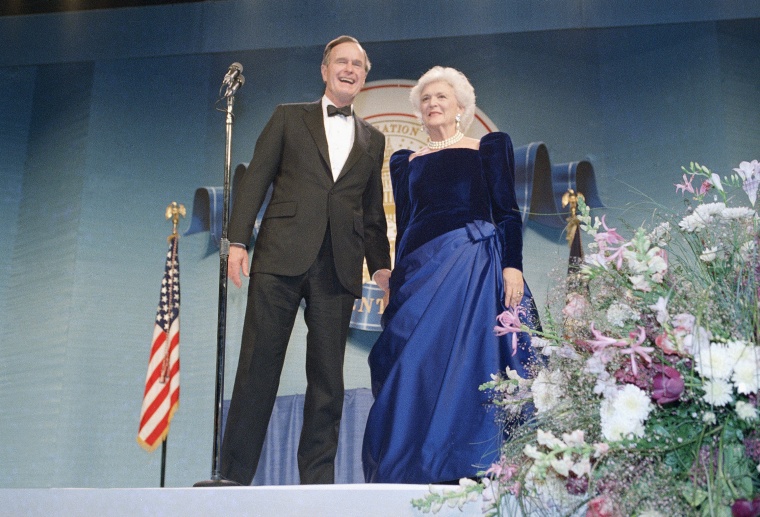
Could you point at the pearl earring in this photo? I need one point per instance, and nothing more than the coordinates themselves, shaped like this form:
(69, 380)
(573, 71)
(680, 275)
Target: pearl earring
(458, 119)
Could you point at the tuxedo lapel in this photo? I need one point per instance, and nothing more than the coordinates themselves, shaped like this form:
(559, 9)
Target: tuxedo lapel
(315, 123)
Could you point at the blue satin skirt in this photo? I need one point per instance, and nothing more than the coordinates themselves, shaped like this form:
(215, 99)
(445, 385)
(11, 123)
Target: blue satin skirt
(429, 422)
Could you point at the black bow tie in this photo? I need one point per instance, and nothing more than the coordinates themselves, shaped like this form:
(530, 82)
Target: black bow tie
(334, 110)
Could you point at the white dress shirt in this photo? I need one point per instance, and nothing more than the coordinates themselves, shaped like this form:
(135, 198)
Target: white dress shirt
(340, 137)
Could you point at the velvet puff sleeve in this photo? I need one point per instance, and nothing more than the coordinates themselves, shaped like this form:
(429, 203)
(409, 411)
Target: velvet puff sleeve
(498, 162)
(399, 171)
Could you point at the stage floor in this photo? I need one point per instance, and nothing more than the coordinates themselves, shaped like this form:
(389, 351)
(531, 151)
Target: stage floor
(358, 500)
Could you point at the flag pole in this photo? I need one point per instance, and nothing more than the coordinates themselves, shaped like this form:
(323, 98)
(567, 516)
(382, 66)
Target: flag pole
(161, 395)
(233, 80)
(163, 461)
(173, 211)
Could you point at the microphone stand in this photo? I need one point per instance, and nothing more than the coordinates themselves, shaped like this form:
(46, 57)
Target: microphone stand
(224, 254)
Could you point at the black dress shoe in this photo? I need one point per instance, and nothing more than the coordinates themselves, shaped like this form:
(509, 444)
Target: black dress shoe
(221, 482)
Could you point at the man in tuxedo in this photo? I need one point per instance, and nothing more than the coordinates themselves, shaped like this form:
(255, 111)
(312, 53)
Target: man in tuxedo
(325, 215)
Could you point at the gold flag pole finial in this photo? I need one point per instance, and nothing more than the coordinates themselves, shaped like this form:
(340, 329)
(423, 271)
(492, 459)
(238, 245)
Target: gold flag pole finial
(571, 198)
(173, 212)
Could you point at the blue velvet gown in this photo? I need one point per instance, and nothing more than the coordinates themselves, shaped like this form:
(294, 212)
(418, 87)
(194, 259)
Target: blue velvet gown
(458, 225)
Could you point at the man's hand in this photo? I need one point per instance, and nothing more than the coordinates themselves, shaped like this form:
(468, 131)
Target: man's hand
(238, 260)
(382, 278)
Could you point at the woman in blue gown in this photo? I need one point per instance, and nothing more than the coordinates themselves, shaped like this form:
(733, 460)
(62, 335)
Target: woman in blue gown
(458, 264)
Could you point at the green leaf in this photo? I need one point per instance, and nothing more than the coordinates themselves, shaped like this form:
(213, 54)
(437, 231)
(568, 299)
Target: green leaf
(693, 495)
(720, 511)
(735, 463)
(744, 487)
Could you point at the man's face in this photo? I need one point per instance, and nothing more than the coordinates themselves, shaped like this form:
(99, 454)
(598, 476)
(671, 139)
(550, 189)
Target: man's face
(344, 74)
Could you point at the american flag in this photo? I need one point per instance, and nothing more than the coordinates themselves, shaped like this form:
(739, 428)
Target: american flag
(161, 398)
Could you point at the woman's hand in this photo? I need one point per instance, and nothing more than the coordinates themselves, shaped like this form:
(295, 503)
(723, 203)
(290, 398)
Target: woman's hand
(513, 286)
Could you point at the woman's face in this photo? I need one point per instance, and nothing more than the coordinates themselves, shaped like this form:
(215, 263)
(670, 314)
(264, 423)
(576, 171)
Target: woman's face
(438, 106)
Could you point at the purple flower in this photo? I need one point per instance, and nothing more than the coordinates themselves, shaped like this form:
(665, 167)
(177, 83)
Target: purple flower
(576, 485)
(745, 508)
(705, 466)
(752, 447)
(667, 385)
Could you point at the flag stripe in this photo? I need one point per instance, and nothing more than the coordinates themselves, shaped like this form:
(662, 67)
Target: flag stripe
(161, 393)
(158, 392)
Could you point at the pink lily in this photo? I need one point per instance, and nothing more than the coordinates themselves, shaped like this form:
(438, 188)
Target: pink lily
(600, 341)
(636, 348)
(665, 344)
(607, 238)
(602, 506)
(502, 470)
(509, 321)
(610, 236)
(615, 237)
(686, 186)
(617, 257)
(706, 185)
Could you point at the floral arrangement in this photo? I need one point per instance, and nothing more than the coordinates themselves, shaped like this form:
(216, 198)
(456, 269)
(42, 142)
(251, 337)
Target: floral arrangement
(647, 403)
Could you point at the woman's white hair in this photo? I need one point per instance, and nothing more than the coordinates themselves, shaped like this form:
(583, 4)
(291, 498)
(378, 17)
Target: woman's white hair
(463, 91)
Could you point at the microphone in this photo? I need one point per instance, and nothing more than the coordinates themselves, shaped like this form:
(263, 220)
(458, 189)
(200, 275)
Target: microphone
(238, 82)
(233, 79)
(234, 71)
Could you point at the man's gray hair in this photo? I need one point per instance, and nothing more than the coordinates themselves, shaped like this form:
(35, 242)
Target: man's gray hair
(344, 39)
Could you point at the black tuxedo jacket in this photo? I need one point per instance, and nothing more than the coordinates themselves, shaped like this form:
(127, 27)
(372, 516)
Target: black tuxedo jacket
(292, 154)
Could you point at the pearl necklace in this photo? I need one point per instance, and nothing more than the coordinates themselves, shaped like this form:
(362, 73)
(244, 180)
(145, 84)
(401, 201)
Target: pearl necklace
(441, 144)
